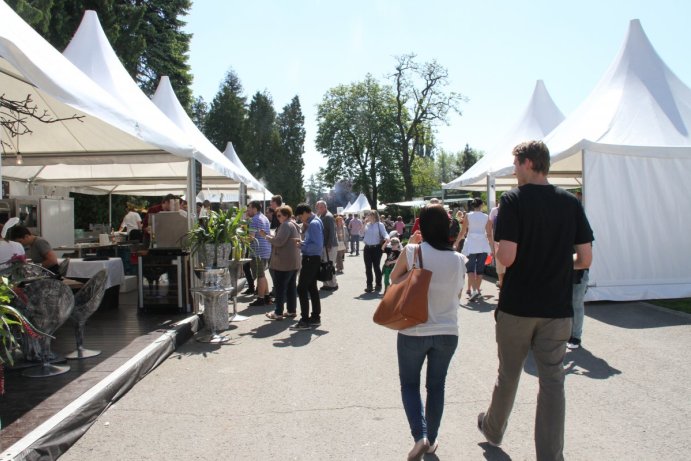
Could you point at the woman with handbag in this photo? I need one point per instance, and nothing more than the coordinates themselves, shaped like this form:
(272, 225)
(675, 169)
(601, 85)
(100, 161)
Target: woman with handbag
(285, 262)
(374, 236)
(435, 340)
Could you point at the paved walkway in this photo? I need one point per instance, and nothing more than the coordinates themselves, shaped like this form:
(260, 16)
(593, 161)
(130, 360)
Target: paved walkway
(333, 393)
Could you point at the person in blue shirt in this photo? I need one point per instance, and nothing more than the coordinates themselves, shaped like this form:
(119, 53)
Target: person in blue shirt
(311, 248)
(261, 251)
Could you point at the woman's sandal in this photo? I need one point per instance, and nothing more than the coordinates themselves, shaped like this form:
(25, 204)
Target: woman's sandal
(274, 316)
(291, 315)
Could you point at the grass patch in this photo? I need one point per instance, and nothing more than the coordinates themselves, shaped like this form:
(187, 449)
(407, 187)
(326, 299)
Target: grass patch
(683, 304)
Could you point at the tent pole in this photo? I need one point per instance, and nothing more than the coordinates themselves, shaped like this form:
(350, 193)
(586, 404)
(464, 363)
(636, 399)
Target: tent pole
(491, 192)
(110, 210)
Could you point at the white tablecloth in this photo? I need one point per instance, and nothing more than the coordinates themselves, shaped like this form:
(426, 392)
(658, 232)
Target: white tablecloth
(81, 269)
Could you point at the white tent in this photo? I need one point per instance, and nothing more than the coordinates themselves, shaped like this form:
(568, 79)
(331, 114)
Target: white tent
(539, 118)
(90, 50)
(360, 204)
(253, 182)
(109, 133)
(630, 140)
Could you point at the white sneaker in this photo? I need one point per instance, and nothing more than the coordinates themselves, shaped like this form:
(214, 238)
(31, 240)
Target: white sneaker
(474, 296)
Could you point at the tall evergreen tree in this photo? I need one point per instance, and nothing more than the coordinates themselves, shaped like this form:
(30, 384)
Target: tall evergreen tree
(199, 113)
(291, 129)
(263, 155)
(225, 121)
(146, 35)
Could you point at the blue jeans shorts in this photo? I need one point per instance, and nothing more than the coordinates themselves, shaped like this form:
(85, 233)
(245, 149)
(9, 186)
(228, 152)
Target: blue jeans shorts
(476, 263)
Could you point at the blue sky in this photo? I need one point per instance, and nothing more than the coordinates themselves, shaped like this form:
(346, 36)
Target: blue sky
(494, 50)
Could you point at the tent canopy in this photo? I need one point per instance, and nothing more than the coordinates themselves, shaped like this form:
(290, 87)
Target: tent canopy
(630, 138)
(539, 118)
(108, 133)
(360, 204)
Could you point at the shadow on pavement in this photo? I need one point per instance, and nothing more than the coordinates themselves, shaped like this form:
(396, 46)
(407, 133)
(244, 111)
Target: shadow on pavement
(578, 362)
(480, 306)
(633, 315)
(299, 338)
(493, 453)
(582, 362)
(270, 328)
(367, 296)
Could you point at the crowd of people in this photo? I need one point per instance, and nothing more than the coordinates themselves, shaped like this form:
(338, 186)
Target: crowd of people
(540, 241)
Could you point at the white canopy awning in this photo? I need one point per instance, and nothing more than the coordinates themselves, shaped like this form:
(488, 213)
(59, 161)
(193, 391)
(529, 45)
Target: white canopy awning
(109, 133)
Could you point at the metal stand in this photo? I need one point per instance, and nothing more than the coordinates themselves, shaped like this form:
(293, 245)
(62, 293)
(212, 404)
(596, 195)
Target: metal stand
(46, 369)
(234, 269)
(215, 301)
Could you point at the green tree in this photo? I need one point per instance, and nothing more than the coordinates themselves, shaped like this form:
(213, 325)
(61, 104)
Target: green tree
(445, 169)
(291, 129)
(315, 188)
(356, 133)
(227, 116)
(424, 176)
(421, 102)
(263, 152)
(146, 35)
(199, 112)
(465, 160)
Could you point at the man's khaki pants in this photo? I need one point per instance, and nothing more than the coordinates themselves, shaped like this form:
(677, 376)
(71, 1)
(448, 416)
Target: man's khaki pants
(547, 339)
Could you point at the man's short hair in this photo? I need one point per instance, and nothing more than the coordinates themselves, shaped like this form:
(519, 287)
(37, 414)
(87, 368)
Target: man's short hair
(537, 152)
(256, 204)
(302, 208)
(168, 198)
(322, 202)
(277, 199)
(18, 232)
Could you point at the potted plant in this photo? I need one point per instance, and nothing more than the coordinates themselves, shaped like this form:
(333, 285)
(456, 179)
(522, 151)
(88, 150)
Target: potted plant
(12, 324)
(220, 237)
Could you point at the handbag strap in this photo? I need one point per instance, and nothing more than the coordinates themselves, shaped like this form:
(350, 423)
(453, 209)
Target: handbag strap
(417, 256)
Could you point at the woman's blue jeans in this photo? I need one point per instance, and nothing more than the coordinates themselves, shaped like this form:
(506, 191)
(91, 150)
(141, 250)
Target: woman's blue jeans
(412, 352)
(285, 291)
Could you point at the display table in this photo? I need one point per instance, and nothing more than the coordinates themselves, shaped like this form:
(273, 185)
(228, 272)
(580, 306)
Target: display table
(83, 270)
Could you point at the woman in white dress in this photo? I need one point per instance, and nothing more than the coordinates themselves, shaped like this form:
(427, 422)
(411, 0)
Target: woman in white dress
(478, 235)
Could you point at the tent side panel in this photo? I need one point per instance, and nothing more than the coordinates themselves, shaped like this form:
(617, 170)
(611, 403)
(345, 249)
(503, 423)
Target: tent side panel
(636, 206)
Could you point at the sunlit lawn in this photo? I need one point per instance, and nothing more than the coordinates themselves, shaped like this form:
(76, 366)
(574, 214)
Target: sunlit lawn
(683, 304)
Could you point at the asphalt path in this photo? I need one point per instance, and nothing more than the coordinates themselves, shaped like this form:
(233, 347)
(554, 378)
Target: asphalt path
(333, 393)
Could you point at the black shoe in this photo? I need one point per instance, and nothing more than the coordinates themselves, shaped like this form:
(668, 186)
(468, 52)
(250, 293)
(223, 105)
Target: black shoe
(315, 322)
(248, 291)
(258, 302)
(369, 290)
(573, 343)
(268, 300)
(301, 325)
(377, 288)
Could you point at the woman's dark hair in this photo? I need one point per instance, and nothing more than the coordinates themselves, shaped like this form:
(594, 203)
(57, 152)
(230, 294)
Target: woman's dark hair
(476, 203)
(434, 227)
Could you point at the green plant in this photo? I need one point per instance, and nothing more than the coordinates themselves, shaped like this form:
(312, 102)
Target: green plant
(222, 227)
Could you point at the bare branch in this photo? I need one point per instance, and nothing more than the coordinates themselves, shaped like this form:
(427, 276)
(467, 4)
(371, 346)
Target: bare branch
(16, 114)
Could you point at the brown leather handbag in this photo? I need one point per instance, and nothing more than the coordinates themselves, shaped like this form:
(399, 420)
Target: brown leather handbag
(405, 303)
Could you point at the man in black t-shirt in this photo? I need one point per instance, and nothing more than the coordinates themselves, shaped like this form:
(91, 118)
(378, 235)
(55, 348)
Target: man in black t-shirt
(539, 228)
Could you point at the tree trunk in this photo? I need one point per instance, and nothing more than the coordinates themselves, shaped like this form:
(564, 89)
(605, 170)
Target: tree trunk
(406, 166)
